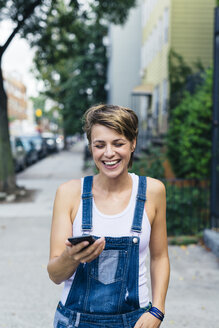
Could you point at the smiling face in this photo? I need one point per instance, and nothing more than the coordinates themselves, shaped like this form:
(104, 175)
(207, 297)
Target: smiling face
(111, 151)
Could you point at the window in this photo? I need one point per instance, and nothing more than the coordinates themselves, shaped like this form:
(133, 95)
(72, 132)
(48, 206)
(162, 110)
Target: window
(160, 34)
(165, 96)
(156, 104)
(166, 24)
(156, 100)
(143, 108)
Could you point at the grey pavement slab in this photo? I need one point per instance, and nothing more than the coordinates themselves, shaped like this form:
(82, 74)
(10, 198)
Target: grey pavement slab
(28, 298)
(193, 295)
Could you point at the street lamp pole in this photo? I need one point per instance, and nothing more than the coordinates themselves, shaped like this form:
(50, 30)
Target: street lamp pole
(215, 130)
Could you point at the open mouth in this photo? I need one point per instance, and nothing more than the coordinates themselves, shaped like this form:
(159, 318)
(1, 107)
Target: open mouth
(111, 163)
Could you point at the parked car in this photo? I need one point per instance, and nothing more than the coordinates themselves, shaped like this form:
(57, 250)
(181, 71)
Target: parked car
(40, 145)
(87, 153)
(31, 152)
(60, 142)
(18, 153)
(51, 142)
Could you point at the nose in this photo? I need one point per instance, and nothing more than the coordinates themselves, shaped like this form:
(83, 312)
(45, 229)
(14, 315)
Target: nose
(109, 151)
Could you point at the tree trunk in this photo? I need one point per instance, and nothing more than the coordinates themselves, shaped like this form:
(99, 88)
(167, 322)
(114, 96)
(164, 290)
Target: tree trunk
(7, 175)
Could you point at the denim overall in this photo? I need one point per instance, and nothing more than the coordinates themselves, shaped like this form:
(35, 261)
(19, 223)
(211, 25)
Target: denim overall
(104, 292)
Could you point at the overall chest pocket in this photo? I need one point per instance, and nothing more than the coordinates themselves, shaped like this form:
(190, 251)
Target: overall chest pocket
(109, 267)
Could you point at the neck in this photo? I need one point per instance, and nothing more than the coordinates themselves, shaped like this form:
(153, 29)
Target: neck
(119, 183)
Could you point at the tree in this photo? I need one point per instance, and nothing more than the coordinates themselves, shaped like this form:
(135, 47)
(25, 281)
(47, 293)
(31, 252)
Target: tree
(72, 60)
(41, 27)
(20, 13)
(75, 74)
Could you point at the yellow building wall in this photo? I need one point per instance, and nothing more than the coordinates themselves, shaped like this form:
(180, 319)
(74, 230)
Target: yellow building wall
(157, 70)
(192, 26)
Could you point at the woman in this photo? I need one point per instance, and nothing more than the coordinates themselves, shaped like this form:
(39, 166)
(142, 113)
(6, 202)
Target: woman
(105, 283)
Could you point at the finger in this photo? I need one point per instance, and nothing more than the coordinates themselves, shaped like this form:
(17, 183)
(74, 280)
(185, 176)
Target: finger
(142, 321)
(91, 249)
(67, 243)
(137, 325)
(93, 255)
(79, 252)
(74, 249)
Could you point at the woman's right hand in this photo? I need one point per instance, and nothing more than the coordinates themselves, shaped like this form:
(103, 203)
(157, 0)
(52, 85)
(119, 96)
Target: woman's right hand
(64, 257)
(79, 254)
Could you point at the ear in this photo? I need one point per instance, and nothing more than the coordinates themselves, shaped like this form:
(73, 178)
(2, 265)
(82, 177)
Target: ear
(133, 145)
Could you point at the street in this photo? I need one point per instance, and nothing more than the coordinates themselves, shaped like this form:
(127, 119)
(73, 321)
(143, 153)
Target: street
(28, 298)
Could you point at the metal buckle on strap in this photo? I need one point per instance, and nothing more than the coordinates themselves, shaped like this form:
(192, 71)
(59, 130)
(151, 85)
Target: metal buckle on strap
(141, 198)
(136, 229)
(87, 195)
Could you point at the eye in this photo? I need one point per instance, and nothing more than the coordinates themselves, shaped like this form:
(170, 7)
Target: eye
(119, 144)
(99, 146)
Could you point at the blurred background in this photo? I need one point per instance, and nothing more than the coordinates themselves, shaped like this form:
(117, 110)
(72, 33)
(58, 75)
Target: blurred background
(158, 57)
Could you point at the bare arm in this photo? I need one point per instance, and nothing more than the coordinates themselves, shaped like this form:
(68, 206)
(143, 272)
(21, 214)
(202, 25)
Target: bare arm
(159, 264)
(65, 258)
(160, 268)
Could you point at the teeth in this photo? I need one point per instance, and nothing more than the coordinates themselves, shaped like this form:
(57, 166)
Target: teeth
(111, 163)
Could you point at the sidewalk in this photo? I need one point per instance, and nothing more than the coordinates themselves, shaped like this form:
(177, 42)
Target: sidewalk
(193, 295)
(28, 298)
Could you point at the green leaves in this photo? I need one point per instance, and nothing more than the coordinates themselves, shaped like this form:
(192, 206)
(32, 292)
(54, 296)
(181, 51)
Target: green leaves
(189, 135)
(70, 54)
(71, 57)
(187, 206)
(150, 164)
(113, 11)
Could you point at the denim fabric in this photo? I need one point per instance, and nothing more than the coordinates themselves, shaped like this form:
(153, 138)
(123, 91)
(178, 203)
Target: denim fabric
(71, 319)
(105, 291)
(108, 266)
(113, 291)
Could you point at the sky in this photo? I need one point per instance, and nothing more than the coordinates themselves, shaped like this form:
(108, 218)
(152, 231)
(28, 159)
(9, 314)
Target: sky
(18, 58)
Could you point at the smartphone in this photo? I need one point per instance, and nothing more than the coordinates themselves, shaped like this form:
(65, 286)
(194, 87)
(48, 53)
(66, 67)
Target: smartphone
(77, 240)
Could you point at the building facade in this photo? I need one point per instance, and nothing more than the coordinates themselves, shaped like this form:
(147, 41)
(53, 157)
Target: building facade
(124, 56)
(138, 71)
(186, 27)
(20, 108)
(17, 98)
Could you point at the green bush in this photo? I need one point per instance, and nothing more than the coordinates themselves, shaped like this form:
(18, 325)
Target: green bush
(187, 209)
(189, 134)
(150, 164)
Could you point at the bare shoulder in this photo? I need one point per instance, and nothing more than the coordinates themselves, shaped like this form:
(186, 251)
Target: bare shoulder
(67, 199)
(155, 187)
(69, 190)
(72, 186)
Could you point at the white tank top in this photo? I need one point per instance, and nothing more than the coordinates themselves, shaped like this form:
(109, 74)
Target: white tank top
(116, 226)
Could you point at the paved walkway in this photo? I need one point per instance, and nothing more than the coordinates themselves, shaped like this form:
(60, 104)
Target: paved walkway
(28, 298)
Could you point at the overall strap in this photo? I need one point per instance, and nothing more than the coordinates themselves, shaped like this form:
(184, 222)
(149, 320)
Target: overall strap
(87, 198)
(139, 207)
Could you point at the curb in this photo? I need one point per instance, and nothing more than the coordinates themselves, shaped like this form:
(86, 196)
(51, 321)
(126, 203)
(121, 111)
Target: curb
(211, 240)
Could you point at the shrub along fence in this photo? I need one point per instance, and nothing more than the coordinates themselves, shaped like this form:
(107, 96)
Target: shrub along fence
(188, 206)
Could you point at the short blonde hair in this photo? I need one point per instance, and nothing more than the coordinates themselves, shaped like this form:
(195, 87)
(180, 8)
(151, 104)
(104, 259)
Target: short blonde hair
(121, 119)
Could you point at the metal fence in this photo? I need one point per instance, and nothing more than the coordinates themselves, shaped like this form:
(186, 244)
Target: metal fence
(188, 206)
